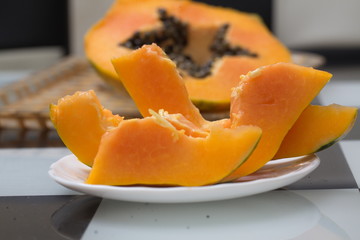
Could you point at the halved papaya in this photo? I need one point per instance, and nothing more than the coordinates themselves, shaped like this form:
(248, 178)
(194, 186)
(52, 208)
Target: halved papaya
(210, 45)
(332, 123)
(162, 149)
(80, 121)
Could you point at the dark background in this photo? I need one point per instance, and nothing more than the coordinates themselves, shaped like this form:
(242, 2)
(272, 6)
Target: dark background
(33, 23)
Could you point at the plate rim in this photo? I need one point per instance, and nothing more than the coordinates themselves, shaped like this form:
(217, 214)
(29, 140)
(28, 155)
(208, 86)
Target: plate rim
(173, 194)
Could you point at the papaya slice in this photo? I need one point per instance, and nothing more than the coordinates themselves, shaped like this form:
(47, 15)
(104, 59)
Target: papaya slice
(153, 82)
(151, 151)
(211, 46)
(317, 128)
(272, 98)
(74, 119)
(161, 149)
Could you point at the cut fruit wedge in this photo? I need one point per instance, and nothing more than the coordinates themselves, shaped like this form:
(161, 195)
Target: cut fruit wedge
(80, 121)
(272, 98)
(317, 128)
(152, 151)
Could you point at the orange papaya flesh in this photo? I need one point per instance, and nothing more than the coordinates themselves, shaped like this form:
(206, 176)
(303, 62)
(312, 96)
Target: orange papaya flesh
(80, 121)
(151, 151)
(272, 98)
(332, 123)
(153, 82)
(182, 124)
(207, 43)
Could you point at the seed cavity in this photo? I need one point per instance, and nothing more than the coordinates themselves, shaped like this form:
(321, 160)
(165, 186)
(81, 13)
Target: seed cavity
(172, 37)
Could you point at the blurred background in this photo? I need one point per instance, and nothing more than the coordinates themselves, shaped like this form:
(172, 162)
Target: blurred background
(37, 34)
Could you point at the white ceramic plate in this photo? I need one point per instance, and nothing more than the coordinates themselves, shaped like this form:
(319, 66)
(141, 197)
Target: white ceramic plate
(71, 173)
